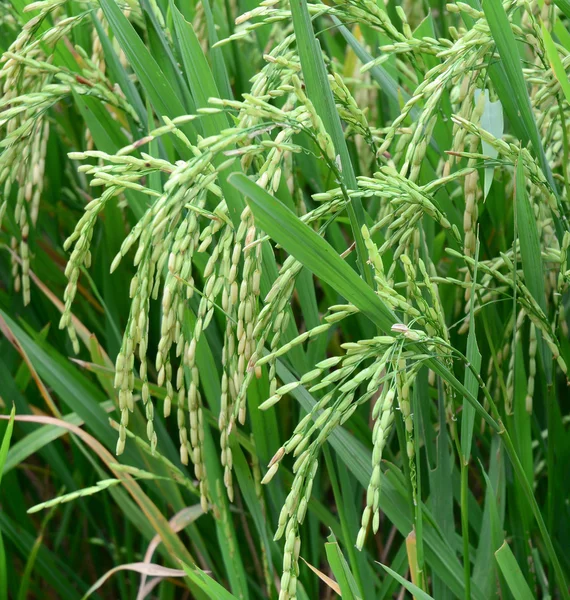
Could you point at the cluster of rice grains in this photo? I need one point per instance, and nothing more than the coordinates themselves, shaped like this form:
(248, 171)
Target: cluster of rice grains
(446, 111)
(177, 228)
(172, 232)
(31, 85)
(25, 134)
(199, 252)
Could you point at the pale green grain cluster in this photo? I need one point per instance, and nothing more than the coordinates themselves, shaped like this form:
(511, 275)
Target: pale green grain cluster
(383, 415)
(199, 259)
(100, 486)
(334, 408)
(21, 162)
(31, 86)
(173, 230)
(494, 272)
(241, 305)
(403, 204)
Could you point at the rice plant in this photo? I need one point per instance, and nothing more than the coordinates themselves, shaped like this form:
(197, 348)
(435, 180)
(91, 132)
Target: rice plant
(285, 287)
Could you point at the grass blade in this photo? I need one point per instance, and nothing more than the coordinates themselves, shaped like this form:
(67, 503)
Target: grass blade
(3, 455)
(556, 63)
(512, 573)
(25, 581)
(198, 72)
(3, 571)
(564, 6)
(531, 258)
(492, 536)
(6, 441)
(341, 570)
(153, 80)
(320, 94)
(471, 383)
(214, 590)
(416, 592)
(508, 51)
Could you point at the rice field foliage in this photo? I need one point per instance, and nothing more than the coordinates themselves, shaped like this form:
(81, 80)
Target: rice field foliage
(284, 300)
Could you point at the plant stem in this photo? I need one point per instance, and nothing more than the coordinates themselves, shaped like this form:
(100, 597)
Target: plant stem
(465, 528)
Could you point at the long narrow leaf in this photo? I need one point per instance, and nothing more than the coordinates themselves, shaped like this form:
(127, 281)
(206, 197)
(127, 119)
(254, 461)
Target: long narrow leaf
(341, 571)
(161, 94)
(512, 573)
(531, 257)
(418, 593)
(320, 94)
(508, 51)
(6, 441)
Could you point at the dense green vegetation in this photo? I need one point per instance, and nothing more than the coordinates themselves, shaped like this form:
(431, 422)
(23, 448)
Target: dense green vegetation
(283, 300)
